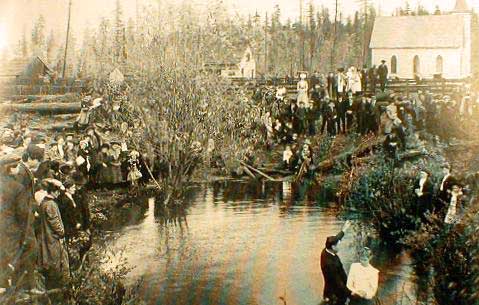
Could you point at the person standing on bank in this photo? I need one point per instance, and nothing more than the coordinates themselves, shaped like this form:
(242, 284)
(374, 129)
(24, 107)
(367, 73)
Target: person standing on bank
(335, 290)
(53, 254)
(383, 74)
(303, 88)
(363, 280)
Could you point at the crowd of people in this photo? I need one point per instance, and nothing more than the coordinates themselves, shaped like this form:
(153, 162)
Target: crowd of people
(45, 215)
(351, 107)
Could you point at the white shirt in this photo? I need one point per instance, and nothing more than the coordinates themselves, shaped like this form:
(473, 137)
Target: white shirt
(363, 279)
(287, 154)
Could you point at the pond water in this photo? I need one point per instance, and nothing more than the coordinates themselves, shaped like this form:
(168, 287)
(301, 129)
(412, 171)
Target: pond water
(246, 243)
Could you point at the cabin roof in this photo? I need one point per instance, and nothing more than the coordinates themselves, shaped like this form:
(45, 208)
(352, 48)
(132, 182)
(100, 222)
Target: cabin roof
(19, 66)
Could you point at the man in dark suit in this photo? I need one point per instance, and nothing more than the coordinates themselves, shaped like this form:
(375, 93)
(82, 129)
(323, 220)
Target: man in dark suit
(364, 79)
(332, 86)
(372, 75)
(383, 74)
(423, 189)
(335, 278)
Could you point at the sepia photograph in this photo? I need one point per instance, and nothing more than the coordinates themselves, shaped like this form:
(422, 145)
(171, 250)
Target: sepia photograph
(239, 152)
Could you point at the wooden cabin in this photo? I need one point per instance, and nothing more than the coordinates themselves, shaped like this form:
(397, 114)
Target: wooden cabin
(24, 71)
(242, 64)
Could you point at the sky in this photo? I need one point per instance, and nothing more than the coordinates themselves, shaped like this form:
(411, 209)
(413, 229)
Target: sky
(17, 16)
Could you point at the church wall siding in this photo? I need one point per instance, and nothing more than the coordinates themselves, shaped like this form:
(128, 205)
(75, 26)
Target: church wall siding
(427, 57)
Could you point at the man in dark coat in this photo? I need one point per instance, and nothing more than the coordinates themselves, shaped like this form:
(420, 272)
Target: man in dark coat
(364, 79)
(383, 74)
(372, 77)
(342, 107)
(335, 278)
(332, 86)
(444, 190)
(423, 188)
(19, 250)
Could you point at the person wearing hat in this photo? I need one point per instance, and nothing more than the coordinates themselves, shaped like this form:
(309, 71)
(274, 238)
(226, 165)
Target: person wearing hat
(94, 139)
(335, 290)
(383, 74)
(341, 82)
(445, 188)
(57, 151)
(424, 191)
(134, 173)
(303, 88)
(332, 85)
(114, 174)
(53, 256)
(70, 152)
(363, 280)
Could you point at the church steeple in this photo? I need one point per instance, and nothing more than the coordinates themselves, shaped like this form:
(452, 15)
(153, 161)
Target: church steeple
(461, 7)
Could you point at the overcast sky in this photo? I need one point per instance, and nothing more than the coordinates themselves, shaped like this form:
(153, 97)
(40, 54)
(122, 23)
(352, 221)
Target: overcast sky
(17, 15)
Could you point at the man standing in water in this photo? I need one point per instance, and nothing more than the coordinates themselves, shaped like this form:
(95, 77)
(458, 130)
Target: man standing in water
(335, 290)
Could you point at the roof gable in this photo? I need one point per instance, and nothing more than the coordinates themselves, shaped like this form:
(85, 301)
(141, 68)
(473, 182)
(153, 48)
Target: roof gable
(461, 6)
(434, 31)
(20, 66)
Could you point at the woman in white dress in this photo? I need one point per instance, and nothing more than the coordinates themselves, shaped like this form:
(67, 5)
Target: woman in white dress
(354, 80)
(303, 88)
(363, 280)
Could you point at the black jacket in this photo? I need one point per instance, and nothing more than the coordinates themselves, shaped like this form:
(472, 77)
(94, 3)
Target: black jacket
(335, 277)
(383, 71)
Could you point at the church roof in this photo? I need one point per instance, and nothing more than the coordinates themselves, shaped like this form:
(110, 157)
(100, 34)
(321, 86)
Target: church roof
(461, 6)
(433, 31)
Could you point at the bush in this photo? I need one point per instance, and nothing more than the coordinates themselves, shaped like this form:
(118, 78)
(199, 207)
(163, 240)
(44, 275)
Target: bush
(386, 195)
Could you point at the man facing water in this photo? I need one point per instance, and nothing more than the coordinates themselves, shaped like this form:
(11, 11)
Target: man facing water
(335, 290)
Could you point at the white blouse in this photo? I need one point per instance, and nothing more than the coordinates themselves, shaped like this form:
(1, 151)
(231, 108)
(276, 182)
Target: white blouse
(364, 279)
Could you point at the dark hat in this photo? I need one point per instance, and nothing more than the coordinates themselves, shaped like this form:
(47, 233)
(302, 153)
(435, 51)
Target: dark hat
(105, 145)
(115, 142)
(53, 143)
(91, 127)
(66, 168)
(58, 135)
(70, 134)
(331, 241)
(383, 61)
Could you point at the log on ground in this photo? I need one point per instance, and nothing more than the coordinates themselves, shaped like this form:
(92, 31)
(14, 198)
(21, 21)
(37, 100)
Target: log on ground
(42, 108)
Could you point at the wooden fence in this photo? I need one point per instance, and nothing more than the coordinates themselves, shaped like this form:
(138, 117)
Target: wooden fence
(403, 86)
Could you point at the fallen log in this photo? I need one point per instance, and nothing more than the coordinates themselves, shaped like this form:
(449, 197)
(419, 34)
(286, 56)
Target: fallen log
(42, 108)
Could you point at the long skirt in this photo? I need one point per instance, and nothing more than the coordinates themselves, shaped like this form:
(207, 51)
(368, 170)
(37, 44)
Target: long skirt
(303, 97)
(113, 174)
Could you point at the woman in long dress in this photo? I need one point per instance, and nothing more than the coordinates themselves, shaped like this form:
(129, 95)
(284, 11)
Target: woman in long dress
(354, 80)
(303, 90)
(114, 174)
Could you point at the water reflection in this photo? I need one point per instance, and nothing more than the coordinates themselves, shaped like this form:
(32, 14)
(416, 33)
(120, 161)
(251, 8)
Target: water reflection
(240, 243)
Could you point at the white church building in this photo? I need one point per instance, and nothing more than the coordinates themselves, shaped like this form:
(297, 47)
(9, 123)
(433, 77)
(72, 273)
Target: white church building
(425, 46)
